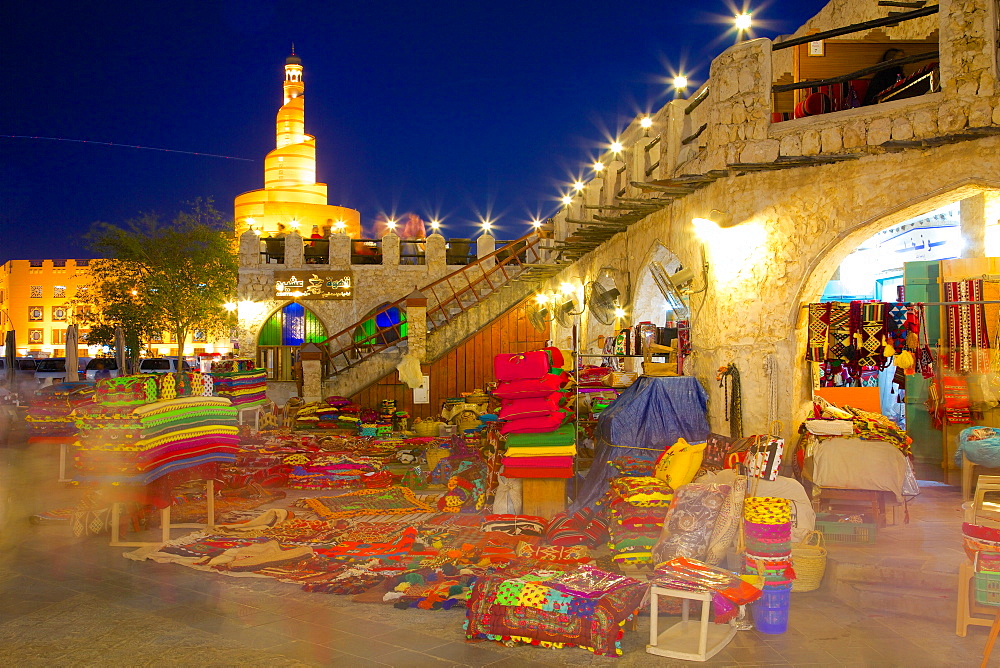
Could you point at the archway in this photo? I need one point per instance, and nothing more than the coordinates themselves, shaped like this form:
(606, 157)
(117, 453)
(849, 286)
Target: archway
(648, 303)
(853, 259)
(282, 333)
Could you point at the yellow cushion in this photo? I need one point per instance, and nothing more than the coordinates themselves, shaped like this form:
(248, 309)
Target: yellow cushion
(679, 464)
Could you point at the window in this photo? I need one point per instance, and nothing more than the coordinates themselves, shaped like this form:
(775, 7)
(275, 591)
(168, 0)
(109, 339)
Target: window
(156, 338)
(36, 314)
(35, 263)
(83, 263)
(200, 336)
(58, 337)
(36, 336)
(59, 313)
(59, 291)
(36, 292)
(58, 263)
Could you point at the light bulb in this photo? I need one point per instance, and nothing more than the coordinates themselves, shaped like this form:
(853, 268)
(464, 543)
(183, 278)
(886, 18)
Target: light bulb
(537, 223)
(616, 147)
(743, 21)
(598, 166)
(256, 231)
(294, 224)
(567, 199)
(230, 306)
(680, 81)
(340, 225)
(578, 186)
(250, 221)
(567, 288)
(541, 299)
(391, 224)
(646, 122)
(435, 225)
(619, 312)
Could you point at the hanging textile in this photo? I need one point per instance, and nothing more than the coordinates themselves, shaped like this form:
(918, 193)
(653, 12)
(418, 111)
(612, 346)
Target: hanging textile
(819, 331)
(872, 332)
(840, 329)
(968, 341)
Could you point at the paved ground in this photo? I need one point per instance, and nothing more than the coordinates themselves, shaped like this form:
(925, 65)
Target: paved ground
(78, 602)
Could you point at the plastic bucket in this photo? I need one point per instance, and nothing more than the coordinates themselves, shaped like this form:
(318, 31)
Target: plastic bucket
(770, 611)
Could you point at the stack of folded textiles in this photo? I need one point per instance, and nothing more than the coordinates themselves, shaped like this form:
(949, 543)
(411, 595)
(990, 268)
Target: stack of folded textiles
(132, 438)
(540, 443)
(243, 388)
(50, 409)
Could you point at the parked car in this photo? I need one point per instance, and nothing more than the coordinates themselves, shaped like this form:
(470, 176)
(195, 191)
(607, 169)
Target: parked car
(161, 365)
(50, 369)
(98, 364)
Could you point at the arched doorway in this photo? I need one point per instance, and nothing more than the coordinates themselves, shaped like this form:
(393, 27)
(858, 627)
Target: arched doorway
(288, 328)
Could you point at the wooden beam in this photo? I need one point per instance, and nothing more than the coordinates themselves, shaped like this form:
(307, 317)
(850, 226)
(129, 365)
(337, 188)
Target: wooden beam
(856, 27)
(906, 5)
(674, 190)
(694, 135)
(696, 100)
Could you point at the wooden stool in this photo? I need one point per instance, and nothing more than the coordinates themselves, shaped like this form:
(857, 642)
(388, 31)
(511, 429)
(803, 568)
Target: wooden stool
(868, 501)
(543, 497)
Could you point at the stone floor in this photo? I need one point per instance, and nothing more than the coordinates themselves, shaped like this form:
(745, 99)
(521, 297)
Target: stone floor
(78, 602)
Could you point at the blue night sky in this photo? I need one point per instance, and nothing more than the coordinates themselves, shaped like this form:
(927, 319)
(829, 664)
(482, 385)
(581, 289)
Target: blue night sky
(450, 109)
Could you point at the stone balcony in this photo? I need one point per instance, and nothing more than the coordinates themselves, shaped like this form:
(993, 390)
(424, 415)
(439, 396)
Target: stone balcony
(727, 122)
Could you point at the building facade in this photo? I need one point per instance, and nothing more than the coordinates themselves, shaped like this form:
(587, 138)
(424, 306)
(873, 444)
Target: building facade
(35, 301)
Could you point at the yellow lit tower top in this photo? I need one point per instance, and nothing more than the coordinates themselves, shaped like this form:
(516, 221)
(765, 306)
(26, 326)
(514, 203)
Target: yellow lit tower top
(291, 198)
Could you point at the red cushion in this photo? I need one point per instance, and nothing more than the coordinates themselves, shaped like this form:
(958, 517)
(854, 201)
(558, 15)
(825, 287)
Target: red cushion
(817, 103)
(530, 388)
(519, 366)
(535, 425)
(527, 408)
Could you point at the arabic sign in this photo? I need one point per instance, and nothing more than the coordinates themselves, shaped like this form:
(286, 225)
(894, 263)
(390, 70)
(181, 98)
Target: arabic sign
(308, 284)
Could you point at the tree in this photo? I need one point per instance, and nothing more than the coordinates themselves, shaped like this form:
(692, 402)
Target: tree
(175, 276)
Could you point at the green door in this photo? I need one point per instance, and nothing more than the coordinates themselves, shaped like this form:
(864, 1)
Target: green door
(922, 285)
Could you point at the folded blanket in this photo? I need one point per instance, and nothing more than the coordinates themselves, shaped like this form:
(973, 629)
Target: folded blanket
(537, 461)
(558, 472)
(557, 451)
(564, 435)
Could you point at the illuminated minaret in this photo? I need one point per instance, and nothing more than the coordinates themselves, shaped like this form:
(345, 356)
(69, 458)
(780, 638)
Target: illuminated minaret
(291, 196)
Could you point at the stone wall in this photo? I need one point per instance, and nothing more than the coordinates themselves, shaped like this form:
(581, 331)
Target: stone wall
(373, 284)
(791, 230)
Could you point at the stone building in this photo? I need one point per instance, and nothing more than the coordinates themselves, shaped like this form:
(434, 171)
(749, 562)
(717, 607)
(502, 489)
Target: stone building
(797, 196)
(795, 193)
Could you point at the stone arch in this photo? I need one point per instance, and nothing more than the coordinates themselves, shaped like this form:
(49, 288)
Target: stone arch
(284, 329)
(647, 301)
(822, 265)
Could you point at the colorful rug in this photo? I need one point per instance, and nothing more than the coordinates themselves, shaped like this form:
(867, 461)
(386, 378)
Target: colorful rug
(391, 501)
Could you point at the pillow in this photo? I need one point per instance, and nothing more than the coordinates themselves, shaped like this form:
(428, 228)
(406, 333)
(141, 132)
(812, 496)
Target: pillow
(690, 521)
(337, 402)
(514, 525)
(126, 390)
(530, 388)
(535, 425)
(727, 522)
(526, 408)
(678, 465)
(166, 386)
(520, 366)
(553, 552)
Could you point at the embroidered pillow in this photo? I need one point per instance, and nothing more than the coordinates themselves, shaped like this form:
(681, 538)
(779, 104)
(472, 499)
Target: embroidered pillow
(515, 525)
(126, 390)
(679, 464)
(166, 384)
(553, 552)
(690, 521)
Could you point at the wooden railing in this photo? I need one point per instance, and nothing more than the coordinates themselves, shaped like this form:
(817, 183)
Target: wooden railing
(447, 297)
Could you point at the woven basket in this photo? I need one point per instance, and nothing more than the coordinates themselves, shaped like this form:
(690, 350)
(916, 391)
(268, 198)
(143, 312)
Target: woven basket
(659, 369)
(434, 455)
(427, 428)
(809, 562)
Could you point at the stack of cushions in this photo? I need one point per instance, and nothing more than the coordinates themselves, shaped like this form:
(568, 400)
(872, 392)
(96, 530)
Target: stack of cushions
(50, 409)
(185, 384)
(636, 506)
(767, 527)
(243, 388)
(139, 442)
(539, 442)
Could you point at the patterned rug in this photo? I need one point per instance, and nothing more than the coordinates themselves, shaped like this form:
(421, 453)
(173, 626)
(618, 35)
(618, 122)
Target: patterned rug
(391, 501)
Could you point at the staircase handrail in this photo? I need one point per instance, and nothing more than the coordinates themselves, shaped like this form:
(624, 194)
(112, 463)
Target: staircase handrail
(379, 340)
